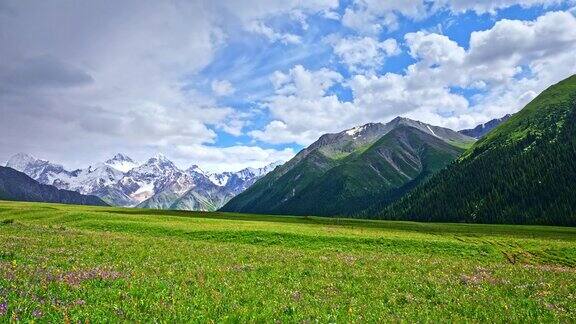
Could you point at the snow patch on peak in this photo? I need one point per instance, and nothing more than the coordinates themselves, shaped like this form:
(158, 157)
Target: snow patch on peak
(355, 131)
(160, 157)
(20, 161)
(195, 169)
(121, 157)
(219, 179)
(431, 131)
(247, 175)
(121, 163)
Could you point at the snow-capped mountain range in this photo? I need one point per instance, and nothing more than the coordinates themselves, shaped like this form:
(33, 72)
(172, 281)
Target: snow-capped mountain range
(156, 183)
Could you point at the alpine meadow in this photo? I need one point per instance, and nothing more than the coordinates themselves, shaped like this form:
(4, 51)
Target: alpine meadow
(67, 263)
(284, 161)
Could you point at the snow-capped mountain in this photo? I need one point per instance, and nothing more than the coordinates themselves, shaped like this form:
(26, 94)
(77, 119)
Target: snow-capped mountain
(85, 181)
(236, 182)
(41, 170)
(142, 182)
(221, 179)
(194, 189)
(88, 180)
(21, 162)
(121, 163)
(194, 169)
(156, 183)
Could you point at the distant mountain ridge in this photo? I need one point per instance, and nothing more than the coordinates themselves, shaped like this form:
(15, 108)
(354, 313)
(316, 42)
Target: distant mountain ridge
(15, 185)
(346, 172)
(483, 129)
(156, 183)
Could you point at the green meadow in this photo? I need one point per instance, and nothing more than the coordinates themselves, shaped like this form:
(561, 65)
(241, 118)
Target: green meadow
(63, 263)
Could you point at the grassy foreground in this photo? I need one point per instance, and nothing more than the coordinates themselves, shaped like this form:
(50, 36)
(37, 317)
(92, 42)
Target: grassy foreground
(60, 263)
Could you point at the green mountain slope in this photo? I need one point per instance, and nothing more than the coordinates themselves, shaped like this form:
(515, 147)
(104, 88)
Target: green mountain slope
(347, 172)
(395, 162)
(523, 172)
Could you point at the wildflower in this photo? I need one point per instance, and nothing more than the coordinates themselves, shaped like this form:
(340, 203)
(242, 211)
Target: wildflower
(37, 313)
(3, 308)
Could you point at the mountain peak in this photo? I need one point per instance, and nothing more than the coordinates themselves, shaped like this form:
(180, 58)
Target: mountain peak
(275, 164)
(20, 161)
(121, 162)
(356, 131)
(121, 157)
(399, 121)
(158, 164)
(483, 129)
(160, 156)
(195, 169)
(22, 155)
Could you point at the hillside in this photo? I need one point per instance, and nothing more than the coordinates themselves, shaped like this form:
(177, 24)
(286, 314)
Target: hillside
(344, 173)
(523, 172)
(15, 185)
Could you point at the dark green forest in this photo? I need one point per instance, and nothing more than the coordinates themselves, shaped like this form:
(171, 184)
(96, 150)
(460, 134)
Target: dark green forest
(523, 172)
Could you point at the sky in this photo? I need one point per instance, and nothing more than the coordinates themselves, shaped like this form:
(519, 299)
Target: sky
(228, 84)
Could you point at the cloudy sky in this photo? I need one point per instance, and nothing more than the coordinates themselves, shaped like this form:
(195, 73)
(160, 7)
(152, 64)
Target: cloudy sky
(232, 83)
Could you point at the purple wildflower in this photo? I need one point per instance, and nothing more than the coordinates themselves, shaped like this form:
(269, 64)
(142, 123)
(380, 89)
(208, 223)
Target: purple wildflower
(37, 313)
(3, 308)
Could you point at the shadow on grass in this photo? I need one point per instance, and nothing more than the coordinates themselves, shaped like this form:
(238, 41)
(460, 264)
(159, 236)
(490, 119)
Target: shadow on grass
(524, 231)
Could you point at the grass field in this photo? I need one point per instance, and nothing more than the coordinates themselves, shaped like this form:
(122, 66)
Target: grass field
(60, 263)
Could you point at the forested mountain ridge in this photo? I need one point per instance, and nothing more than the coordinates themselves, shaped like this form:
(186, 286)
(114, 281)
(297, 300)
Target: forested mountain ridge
(523, 172)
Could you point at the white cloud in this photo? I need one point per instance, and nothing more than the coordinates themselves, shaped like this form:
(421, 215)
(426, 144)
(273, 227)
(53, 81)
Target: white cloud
(364, 54)
(302, 109)
(522, 41)
(222, 88)
(304, 84)
(115, 74)
(250, 10)
(261, 28)
(492, 6)
(374, 16)
(277, 132)
(130, 64)
(433, 49)
(232, 158)
(365, 22)
(253, 14)
(543, 48)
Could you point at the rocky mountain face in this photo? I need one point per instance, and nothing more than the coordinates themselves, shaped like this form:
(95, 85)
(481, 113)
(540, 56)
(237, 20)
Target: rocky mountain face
(483, 129)
(15, 185)
(156, 183)
(348, 172)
